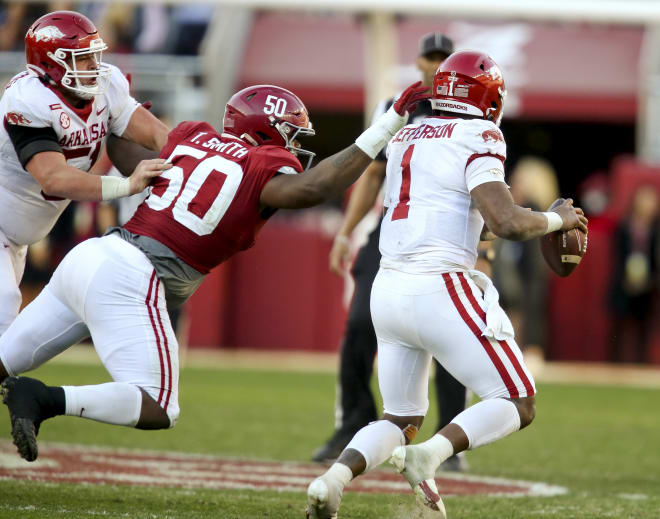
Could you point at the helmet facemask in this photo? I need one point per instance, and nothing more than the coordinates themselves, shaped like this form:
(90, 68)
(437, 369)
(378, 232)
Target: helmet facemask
(290, 133)
(75, 79)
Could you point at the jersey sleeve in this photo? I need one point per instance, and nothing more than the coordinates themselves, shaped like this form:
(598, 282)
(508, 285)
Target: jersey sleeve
(29, 125)
(121, 103)
(487, 153)
(275, 160)
(271, 161)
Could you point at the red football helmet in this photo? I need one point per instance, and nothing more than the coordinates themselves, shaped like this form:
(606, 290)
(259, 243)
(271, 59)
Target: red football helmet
(268, 114)
(469, 82)
(52, 45)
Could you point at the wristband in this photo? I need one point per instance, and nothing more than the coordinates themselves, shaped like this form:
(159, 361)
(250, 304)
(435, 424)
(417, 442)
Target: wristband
(114, 187)
(378, 134)
(554, 221)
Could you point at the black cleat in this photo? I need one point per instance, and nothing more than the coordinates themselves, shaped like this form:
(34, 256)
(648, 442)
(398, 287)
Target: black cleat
(28, 401)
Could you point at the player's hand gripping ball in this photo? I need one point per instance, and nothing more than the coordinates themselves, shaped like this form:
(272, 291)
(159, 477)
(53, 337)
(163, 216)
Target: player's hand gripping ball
(563, 250)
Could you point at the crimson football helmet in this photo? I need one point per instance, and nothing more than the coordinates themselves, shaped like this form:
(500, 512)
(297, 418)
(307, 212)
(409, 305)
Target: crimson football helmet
(53, 44)
(469, 82)
(268, 114)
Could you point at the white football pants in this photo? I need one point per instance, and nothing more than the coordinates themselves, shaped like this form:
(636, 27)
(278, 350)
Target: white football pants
(12, 266)
(105, 287)
(417, 316)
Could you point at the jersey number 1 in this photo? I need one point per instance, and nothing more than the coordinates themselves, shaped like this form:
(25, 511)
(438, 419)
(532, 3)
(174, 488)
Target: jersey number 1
(190, 199)
(401, 209)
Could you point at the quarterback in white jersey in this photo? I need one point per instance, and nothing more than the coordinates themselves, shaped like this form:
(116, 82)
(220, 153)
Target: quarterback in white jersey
(56, 116)
(444, 190)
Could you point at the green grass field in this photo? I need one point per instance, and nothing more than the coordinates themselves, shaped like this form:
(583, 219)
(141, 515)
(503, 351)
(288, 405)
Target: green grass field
(600, 442)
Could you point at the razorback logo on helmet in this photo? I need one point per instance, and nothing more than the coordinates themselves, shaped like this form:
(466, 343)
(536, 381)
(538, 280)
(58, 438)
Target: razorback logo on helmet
(491, 135)
(17, 119)
(48, 33)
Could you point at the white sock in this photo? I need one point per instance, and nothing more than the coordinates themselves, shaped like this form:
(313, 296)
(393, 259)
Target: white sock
(437, 448)
(340, 474)
(376, 442)
(115, 403)
(488, 421)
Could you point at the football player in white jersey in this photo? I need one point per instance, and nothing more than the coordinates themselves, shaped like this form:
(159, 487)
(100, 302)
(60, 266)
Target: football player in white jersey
(444, 190)
(56, 116)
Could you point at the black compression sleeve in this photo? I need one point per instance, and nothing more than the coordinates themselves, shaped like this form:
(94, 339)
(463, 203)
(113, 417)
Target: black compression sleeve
(29, 141)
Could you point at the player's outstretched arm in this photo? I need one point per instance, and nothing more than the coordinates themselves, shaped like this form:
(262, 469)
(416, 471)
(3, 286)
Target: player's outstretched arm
(58, 179)
(510, 221)
(334, 174)
(312, 187)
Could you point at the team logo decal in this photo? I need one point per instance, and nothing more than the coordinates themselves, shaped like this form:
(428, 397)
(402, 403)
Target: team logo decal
(65, 120)
(491, 135)
(48, 33)
(17, 119)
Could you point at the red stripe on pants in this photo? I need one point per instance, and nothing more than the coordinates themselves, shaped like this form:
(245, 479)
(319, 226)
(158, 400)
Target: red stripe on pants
(153, 325)
(516, 365)
(506, 347)
(468, 292)
(167, 352)
(488, 347)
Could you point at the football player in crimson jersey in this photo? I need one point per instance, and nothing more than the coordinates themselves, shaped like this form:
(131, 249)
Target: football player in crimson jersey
(221, 189)
(444, 180)
(56, 116)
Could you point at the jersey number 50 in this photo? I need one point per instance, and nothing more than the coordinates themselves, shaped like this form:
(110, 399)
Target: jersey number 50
(190, 199)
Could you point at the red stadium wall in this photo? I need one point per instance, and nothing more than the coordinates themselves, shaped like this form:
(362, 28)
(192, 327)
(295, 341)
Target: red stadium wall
(279, 295)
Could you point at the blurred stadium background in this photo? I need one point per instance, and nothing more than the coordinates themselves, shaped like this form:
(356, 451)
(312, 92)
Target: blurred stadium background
(583, 105)
(582, 119)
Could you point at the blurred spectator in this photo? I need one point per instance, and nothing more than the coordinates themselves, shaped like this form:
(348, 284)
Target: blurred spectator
(190, 24)
(634, 292)
(595, 195)
(154, 28)
(116, 21)
(519, 271)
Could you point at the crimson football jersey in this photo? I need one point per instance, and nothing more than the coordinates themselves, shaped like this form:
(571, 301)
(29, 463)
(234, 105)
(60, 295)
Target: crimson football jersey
(206, 208)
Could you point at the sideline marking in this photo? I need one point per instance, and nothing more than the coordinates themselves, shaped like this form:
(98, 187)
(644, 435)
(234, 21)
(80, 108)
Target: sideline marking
(68, 463)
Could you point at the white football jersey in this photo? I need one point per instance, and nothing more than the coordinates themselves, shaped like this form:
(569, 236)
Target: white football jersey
(26, 215)
(431, 224)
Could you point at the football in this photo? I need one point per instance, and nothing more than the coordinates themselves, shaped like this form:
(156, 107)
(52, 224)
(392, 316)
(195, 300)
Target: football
(563, 251)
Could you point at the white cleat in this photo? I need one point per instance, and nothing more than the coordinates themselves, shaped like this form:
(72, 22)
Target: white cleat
(418, 469)
(322, 500)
